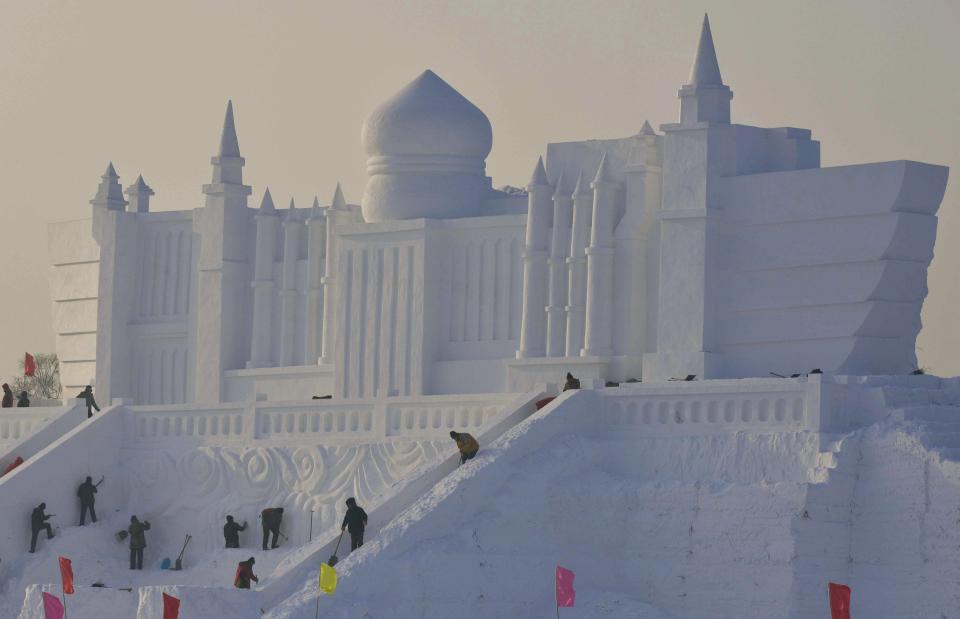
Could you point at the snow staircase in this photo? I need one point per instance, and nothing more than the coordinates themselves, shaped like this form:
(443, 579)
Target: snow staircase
(933, 406)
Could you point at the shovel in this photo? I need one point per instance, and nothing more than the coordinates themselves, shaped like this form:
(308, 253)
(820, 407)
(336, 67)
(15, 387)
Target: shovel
(178, 564)
(333, 558)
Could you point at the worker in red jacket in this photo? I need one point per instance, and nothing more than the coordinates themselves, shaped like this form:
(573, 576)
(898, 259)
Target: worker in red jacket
(245, 574)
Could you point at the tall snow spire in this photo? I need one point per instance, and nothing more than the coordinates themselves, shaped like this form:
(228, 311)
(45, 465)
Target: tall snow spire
(109, 193)
(603, 171)
(705, 98)
(139, 193)
(266, 205)
(229, 146)
(539, 177)
(338, 202)
(227, 188)
(705, 70)
(315, 211)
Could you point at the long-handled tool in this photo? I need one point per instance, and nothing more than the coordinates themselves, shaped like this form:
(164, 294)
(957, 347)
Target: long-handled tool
(333, 558)
(178, 564)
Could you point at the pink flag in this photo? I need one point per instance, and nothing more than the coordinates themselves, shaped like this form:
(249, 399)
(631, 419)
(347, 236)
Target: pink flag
(565, 592)
(52, 608)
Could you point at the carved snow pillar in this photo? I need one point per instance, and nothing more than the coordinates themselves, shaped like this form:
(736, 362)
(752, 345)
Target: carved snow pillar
(338, 213)
(577, 264)
(559, 250)
(316, 252)
(289, 294)
(266, 250)
(598, 340)
(533, 319)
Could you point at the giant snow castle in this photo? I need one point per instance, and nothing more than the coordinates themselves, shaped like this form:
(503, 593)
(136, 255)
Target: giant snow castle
(705, 250)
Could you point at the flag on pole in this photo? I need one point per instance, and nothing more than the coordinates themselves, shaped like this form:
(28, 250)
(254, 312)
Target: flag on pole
(171, 607)
(52, 608)
(565, 592)
(839, 601)
(328, 579)
(29, 365)
(66, 575)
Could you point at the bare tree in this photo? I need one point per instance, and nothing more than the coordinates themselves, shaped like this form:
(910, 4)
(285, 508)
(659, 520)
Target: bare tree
(45, 382)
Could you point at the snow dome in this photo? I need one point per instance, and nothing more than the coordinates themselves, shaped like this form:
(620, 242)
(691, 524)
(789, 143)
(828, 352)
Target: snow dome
(426, 148)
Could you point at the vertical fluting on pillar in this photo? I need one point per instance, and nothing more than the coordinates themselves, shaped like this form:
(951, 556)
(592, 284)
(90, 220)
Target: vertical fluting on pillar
(577, 265)
(533, 327)
(598, 339)
(316, 254)
(266, 250)
(559, 251)
(338, 213)
(288, 308)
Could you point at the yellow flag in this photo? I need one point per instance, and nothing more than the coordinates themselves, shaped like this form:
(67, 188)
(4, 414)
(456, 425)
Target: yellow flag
(328, 579)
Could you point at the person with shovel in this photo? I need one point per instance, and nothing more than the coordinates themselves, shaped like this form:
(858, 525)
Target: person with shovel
(467, 445)
(245, 574)
(138, 541)
(270, 520)
(87, 492)
(38, 522)
(355, 520)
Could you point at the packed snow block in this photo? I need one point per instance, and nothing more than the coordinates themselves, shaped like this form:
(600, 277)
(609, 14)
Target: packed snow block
(85, 603)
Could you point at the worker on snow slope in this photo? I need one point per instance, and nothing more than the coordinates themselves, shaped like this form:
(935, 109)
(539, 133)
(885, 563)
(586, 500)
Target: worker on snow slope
(231, 532)
(356, 521)
(87, 492)
(87, 396)
(38, 522)
(467, 445)
(572, 382)
(270, 520)
(245, 574)
(138, 541)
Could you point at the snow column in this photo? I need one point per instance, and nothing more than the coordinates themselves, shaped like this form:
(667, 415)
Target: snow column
(559, 248)
(533, 320)
(291, 253)
(316, 251)
(599, 335)
(338, 213)
(577, 263)
(266, 249)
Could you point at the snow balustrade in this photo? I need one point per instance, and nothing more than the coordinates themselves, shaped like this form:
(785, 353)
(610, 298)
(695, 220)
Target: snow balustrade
(25, 431)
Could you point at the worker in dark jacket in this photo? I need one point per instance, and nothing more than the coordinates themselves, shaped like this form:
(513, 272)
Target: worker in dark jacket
(270, 519)
(7, 401)
(355, 520)
(467, 445)
(245, 574)
(38, 522)
(87, 493)
(138, 541)
(231, 532)
(572, 382)
(23, 400)
(87, 396)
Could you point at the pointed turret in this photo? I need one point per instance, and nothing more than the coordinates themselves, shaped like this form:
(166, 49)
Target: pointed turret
(706, 69)
(315, 211)
(646, 129)
(266, 204)
(229, 146)
(539, 178)
(227, 188)
(292, 206)
(582, 188)
(603, 172)
(338, 202)
(109, 194)
(561, 190)
(705, 98)
(139, 193)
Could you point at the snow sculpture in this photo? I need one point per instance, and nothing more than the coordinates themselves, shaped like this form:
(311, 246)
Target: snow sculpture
(711, 248)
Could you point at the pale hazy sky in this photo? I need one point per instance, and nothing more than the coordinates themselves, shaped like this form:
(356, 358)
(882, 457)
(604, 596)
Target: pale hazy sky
(144, 84)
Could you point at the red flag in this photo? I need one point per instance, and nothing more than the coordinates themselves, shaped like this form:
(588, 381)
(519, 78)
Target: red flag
(565, 592)
(171, 607)
(66, 575)
(52, 608)
(839, 601)
(16, 462)
(29, 365)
